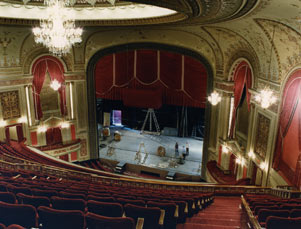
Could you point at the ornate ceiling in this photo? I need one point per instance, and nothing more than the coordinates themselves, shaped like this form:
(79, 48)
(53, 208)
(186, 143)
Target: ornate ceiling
(265, 32)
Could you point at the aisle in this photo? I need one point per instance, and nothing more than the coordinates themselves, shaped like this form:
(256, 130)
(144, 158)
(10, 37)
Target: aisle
(224, 213)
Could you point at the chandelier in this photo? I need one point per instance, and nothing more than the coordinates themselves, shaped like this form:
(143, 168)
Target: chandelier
(55, 85)
(57, 32)
(214, 98)
(266, 98)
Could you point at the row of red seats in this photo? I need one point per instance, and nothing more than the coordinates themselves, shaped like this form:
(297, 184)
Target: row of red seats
(25, 187)
(273, 212)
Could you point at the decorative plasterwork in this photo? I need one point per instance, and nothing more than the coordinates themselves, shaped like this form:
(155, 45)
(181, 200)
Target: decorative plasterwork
(262, 133)
(286, 47)
(10, 105)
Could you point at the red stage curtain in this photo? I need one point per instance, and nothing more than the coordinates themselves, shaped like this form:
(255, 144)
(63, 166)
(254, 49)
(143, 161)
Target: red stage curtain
(291, 96)
(53, 136)
(147, 66)
(242, 80)
(181, 83)
(56, 71)
(142, 98)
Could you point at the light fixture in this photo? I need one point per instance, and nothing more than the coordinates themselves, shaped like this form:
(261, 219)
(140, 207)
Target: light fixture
(240, 161)
(65, 124)
(42, 129)
(214, 98)
(55, 85)
(225, 149)
(23, 119)
(263, 166)
(3, 123)
(266, 98)
(57, 32)
(251, 154)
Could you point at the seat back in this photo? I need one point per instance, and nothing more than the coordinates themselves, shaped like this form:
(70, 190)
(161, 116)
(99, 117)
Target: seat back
(7, 197)
(101, 199)
(16, 190)
(35, 201)
(151, 215)
(72, 195)
(295, 213)
(170, 221)
(94, 221)
(22, 214)
(274, 222)
(273, 207)
(130, 201)
(60, 219)
(263, 214)
(47, 193)
(68, 204)
(290, 206)
(105, 208)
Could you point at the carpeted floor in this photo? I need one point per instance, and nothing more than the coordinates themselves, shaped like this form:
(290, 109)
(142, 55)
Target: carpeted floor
(224, 213)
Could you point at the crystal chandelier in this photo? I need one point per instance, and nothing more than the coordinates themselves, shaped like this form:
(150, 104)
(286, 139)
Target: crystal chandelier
(55, 85)
(266, 98)
(57, 32)
(214, 98)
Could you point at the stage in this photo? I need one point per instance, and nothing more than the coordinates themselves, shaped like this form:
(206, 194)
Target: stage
(126, 149)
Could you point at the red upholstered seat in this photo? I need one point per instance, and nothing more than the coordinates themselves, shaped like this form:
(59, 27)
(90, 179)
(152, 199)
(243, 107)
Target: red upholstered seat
(60, 219)
(22, 214)
(124, 201)
(272, 207)
(105, 208)
(72, 195)
(274, 222)
(16, 190)
(47, 193)
(290, 206)
(101, 199)
(68, 204)
(263, 214)
(2, 226)
(35, 201)
(15, 226)
(7, 197)
(170, 221)
(97, 222)
(3, 187)
(150, 215)
(295, 213)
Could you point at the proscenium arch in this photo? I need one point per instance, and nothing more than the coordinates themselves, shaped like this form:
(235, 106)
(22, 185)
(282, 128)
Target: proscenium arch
(93, 133)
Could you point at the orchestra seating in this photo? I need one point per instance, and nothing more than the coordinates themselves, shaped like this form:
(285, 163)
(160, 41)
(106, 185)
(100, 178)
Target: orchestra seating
(32, 199)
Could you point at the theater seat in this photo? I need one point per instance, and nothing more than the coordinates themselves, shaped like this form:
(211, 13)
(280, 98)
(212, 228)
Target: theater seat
(47, 193)
(60, 219)
(35, 201)
(131, 201)
(150, 215)
(295, 213)
(274, 222)
(68, 204)
(101, 199)
(171, 215)
(263, 214)
(15, 226)
(72, 195)
(105, 209)
(2, 226)
(94, 221)
(7, 197)
(22, 214)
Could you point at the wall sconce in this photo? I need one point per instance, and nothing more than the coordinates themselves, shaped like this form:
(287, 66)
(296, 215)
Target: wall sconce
(251, 155)
(3, 123)
(240, 161)
(263, 166)
(65, 124)
(265, 98)
(42, 129)
(23, 119)
(226, 149)
(55, 85)
(214, 98)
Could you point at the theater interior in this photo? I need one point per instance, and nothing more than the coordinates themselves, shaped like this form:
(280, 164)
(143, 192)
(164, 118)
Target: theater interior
(168, 114)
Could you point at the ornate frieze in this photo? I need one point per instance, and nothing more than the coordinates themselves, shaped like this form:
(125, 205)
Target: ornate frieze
(10, 105)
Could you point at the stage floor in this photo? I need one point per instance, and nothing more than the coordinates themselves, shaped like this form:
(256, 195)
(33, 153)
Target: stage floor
(125, 150)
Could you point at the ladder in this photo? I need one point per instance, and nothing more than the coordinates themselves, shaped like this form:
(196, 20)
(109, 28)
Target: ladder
(151, 116)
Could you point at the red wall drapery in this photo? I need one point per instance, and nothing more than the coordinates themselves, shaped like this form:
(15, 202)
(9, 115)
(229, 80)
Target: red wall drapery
(289, 114)
(178, 79)
(242, 80)
(56, 71)
(53, 136)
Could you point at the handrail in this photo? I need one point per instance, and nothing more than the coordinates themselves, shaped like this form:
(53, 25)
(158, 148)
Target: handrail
(253, 220)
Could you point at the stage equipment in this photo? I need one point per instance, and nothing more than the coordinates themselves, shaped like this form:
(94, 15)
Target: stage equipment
(151, 116)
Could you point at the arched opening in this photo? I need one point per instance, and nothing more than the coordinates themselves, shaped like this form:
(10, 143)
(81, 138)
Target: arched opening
(288, 144)
(153, 77)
